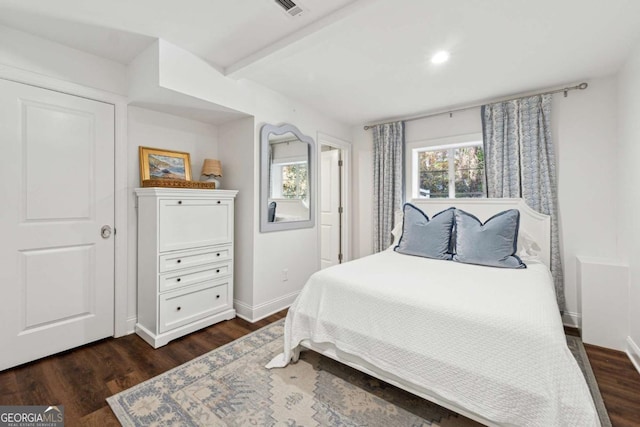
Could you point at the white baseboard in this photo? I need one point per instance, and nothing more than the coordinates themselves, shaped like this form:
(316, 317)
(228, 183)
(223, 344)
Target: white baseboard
(131, 324)
(633, 351)
(243, 311)
(571, 319)
(258, 312)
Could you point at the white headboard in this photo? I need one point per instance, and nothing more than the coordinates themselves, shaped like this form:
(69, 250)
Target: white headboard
(537, 225)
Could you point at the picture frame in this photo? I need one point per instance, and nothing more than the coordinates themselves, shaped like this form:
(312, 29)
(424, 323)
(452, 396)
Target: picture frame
(156, 163)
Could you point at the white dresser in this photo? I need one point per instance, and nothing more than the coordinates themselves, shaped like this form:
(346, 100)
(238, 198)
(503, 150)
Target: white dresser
(185, 261)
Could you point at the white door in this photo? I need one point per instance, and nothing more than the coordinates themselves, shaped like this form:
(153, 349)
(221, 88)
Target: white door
(330, 208)
(57, 272)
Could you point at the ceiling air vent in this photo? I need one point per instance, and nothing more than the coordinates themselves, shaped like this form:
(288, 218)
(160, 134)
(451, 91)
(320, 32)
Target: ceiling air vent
(290, 7)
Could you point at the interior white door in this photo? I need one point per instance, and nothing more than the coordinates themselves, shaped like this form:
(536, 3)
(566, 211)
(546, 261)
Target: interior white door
(57, 274)
(329, 208)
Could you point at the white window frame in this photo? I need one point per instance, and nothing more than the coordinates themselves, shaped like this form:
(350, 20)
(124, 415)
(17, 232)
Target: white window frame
(412, 150)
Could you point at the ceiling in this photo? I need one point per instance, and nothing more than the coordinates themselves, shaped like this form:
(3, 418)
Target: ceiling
(360, 61)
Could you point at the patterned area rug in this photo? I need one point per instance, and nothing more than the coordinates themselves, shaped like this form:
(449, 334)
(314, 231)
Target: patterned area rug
(230, 387)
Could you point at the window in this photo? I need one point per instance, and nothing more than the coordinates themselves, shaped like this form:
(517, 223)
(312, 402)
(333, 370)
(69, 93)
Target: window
(289, 180)
(453, 170)
(294, 180)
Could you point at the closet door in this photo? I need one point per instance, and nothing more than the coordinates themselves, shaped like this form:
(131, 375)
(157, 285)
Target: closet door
(57, 175)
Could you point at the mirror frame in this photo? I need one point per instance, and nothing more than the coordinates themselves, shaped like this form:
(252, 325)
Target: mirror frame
(265, 225)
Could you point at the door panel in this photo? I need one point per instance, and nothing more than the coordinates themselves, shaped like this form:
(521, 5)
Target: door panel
(57, 286)
(55, 175)
(329, 208)
(57, 273)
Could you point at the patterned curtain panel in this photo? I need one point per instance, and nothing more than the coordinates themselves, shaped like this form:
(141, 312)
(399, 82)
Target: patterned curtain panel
(388, 174)
(520, 162)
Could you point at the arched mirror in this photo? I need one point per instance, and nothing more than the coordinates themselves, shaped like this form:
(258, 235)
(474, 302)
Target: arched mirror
(287, 183)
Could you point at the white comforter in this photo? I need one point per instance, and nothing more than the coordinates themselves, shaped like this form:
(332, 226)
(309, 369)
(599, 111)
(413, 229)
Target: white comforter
(488, 340)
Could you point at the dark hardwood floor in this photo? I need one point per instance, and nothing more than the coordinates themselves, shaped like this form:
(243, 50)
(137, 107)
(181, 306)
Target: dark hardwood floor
(619, 384)
(618, 381)
(81, 379)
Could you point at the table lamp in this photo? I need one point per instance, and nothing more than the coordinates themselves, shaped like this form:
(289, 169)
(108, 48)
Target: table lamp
(211, 171)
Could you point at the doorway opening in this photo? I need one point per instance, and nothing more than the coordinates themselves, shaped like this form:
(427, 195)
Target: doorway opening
(334, 213)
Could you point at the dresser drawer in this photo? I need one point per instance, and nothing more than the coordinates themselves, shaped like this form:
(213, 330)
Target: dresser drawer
(183, 278)
(188, 259)
(197, 302)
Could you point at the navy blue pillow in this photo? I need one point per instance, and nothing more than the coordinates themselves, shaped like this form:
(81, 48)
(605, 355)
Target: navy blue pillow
(493, 243)
(424, 237)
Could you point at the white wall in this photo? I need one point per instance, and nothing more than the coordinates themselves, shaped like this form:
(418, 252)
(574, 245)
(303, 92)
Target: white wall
(585, 132)
(294, 250)
(361, 191)
(297, 251)
(27, 52)
(149, 128)
(583, 124)
(236, 154)
(628, 180)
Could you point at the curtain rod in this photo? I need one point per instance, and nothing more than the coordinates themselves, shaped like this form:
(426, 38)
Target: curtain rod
(581, 86)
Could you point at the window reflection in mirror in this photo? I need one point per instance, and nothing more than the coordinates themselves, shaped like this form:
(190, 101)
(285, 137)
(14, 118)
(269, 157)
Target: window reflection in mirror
(289, 178)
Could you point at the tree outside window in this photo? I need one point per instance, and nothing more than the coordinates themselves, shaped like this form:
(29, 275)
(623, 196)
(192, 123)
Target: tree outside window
(454, 172)
(294, 181)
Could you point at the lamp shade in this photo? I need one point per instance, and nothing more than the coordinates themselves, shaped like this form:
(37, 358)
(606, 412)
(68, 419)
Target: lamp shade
(211, 167)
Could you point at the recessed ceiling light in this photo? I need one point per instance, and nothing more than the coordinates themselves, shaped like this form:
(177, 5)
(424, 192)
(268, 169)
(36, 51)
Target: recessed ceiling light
(440, 57)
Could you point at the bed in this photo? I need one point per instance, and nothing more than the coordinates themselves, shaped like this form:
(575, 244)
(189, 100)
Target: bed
(485, 342)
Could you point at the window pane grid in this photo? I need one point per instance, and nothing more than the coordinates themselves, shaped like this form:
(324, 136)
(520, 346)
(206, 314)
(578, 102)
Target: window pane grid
(434, 173)
(294, 181)
(455, 172)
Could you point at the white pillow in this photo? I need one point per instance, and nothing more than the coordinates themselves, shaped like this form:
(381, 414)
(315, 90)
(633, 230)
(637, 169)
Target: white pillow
(397, 229)
(528, 249)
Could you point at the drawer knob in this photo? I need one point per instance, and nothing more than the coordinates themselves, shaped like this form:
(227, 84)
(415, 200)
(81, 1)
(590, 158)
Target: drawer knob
(218, 201)
(179, 308)
(217, 254)
(218, 271)
(179, 261)
(179, 202)
(217, 296)
(178, 279)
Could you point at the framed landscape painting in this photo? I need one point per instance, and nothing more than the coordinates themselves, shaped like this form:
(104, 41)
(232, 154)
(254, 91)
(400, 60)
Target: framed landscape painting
(156, 163)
